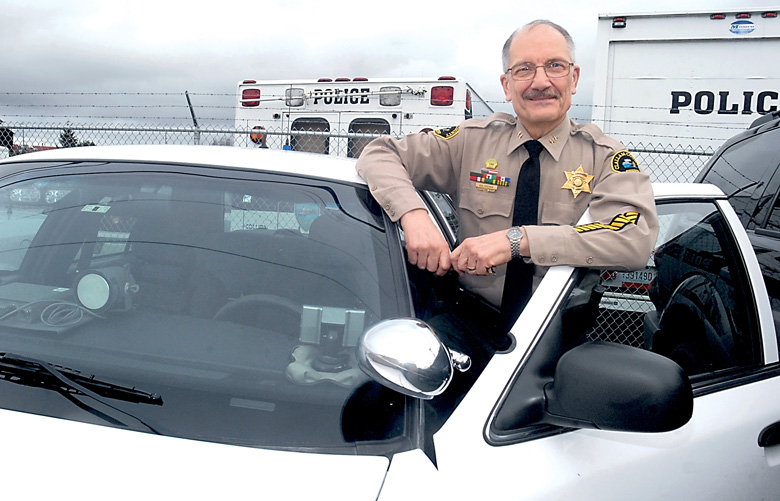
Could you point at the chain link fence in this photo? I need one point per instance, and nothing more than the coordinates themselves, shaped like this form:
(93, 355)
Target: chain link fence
(664, 163)
(625, 298)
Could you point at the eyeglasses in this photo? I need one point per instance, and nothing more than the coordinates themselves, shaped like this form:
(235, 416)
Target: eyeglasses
(527, 71)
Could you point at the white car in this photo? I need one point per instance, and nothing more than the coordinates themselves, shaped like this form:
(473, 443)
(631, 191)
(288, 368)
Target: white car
(212, 322)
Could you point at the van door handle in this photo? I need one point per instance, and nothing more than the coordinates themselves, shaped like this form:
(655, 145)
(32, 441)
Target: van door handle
(769, 436)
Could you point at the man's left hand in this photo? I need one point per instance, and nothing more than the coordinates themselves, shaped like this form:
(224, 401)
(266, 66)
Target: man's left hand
(480, 255)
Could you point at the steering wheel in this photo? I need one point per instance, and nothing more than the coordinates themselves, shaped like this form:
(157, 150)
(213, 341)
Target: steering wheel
(275, 313)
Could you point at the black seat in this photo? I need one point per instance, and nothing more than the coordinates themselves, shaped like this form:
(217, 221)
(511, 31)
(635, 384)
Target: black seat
(166, 266)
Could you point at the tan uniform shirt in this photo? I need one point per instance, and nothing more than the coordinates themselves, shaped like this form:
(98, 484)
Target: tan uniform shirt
(580, 168)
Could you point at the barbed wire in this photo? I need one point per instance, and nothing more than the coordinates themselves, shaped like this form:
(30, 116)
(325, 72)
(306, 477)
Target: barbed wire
(222, 114)
(271, 96)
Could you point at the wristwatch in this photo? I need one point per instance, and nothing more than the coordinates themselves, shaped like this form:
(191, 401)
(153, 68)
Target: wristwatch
(515, 234)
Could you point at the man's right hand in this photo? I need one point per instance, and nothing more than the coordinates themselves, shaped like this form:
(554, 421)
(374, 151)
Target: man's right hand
(426, 247)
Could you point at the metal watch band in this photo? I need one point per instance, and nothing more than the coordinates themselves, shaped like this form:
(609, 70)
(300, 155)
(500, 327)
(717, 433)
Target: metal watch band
(515, 249)
(515, 234)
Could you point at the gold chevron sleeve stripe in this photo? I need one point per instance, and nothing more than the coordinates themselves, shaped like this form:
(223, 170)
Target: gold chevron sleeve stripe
(618, 223)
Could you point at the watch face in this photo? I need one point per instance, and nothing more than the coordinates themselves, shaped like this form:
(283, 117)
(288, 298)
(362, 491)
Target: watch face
(514, 232)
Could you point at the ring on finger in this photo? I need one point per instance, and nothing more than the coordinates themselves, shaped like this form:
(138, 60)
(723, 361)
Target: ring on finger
(490, 270)
(470, 268)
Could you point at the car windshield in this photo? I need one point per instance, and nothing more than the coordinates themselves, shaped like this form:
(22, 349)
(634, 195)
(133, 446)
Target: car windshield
(237, 300)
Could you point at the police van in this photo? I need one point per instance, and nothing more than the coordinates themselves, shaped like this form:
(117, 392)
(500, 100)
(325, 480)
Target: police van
(340, 116)
(688, 78)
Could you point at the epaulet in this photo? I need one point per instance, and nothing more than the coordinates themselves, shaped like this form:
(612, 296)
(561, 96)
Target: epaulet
(596, 135)
(494, 119)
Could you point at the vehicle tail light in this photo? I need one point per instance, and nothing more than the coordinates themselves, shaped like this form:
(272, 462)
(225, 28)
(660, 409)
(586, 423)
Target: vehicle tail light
(619, 22)
(342, 79)
(743, 15)
(442, 95)
(325, 80)
(250, 98)
(717, 16)
(771, 15)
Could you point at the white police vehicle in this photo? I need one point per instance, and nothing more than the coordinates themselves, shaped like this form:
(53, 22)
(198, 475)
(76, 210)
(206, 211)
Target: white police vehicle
(340, 116)
(210, 322)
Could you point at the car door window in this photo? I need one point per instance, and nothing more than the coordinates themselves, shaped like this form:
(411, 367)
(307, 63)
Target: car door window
(444, 212)
(692, 304)
(766, 244)
(741, 172)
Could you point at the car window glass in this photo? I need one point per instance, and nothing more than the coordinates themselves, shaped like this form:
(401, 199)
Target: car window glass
(447, 209)
(239, 302)
(310, 134)
(773, 222)
(372, 126)
(766, 244)
(691, 303)
(742, 170)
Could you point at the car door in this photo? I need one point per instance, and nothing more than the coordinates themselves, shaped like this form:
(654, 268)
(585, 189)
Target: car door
(707, 309)
(709, 315)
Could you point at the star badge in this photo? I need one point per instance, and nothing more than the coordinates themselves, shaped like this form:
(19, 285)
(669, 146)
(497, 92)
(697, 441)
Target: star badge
(577, 181)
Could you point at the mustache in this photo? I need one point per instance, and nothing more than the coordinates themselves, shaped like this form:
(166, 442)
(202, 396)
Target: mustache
(541, 94)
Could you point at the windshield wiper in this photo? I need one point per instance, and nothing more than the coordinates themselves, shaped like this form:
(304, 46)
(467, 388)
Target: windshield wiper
(71, 384)
(32, 372)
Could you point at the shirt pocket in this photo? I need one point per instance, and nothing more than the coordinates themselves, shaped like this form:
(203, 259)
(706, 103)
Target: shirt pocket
(483, 203)
(559, 213)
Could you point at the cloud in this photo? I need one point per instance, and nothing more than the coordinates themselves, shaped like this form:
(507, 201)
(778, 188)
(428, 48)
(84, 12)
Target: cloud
(173, 46)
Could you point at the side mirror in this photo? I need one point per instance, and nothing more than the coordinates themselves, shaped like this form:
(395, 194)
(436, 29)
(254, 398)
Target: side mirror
(406, 355)
(616, 387)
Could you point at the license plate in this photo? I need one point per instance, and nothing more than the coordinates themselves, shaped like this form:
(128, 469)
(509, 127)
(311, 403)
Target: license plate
(632, 280)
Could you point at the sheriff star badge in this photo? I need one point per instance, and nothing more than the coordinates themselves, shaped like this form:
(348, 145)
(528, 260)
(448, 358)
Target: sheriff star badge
(577, 181)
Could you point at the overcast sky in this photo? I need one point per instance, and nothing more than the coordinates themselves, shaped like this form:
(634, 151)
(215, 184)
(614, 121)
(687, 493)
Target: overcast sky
(171, 46)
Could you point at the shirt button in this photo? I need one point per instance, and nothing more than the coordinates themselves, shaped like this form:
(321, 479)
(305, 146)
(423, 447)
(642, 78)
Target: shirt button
(480, 211)
(554, 259)
(589, 260)
(541, 260)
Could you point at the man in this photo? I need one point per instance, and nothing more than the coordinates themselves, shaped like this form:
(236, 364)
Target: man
(479, 165)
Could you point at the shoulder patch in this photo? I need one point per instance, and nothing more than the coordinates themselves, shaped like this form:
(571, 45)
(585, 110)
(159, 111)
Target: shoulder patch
(447, 133)
(623, 161)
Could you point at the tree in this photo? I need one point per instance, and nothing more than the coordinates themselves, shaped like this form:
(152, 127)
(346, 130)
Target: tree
(68, 139)
(6, 138)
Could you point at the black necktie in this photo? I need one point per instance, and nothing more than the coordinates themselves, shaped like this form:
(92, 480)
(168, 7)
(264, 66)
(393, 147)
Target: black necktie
(519, 274)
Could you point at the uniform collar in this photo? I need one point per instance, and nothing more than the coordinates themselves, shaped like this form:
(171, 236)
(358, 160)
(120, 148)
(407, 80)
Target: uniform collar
(552, 142)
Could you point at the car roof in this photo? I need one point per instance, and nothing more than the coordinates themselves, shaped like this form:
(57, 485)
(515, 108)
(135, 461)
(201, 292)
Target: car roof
(694, 190)
(764, 124)
(287, 162)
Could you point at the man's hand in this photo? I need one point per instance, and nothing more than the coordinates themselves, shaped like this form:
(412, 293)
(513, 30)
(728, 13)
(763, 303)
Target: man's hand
(426, 247)
(480, 255)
